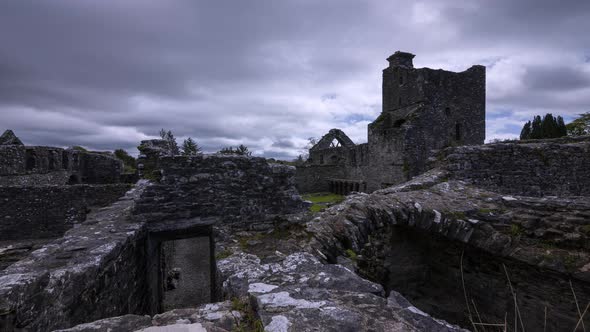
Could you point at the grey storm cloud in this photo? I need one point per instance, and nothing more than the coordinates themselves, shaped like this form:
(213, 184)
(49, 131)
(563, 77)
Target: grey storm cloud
(556, 78)
(269, 74)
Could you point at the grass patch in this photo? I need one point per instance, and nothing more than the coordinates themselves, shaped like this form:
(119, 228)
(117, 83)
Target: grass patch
(351, 254)
(585, 229)
(322, 200)
(249, 321)
(223, 254)
(516, 230)
(456, 214)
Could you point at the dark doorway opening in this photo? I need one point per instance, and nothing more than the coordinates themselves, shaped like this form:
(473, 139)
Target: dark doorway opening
(182, 268)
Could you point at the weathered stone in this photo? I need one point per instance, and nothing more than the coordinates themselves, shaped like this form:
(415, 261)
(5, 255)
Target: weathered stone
(555, 167)
(299, 293)
(246, 192)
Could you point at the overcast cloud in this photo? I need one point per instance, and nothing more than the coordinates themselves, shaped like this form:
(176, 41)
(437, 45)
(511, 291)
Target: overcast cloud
(267, 73)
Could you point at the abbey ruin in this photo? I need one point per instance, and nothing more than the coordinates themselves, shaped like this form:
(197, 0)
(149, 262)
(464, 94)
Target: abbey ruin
(422, 110)
(439, 232)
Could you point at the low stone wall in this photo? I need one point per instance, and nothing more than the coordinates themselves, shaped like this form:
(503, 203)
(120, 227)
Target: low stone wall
(559, 167)
(48, 211)
(244, 192)
(96, 270)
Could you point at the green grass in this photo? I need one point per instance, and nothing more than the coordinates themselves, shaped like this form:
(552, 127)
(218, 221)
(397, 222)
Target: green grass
(516, 230)
(249, 321)
(585, 229)
(223, 254)
(322, 200)
(351, 254)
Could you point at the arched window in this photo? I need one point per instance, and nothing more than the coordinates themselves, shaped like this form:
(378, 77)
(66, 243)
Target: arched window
(447, 111)
(458, 132)
(401, 78)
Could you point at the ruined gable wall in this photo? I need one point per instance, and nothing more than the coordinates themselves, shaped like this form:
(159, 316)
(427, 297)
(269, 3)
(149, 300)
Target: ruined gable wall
(244, 191)
(533, 168)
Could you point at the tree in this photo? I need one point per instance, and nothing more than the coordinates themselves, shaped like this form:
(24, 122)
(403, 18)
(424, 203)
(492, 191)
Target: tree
(190, 147)
(546, 127)
(537, 128)
(172, 145)
(525, 133)
(128, 161)
(562, 129)
(299, 161)
(579, 126)
(241, 150)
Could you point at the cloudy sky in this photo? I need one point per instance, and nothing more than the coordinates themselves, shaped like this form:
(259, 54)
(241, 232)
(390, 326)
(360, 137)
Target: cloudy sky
(268, 73)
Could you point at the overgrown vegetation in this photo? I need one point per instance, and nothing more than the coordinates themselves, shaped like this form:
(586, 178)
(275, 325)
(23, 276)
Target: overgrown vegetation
(351, 254)
(241, 150)
(223, 254)
(78, 148)
(128, 161)
(580, 126)
(516, 230)
(547, 127)
(322, 200)
(249, 321)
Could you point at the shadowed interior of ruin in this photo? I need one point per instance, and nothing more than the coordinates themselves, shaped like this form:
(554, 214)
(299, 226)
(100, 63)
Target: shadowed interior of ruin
(426, 269)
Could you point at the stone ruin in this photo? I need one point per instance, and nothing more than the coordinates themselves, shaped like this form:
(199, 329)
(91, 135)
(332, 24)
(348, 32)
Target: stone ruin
(423, 110)
(486, 234)
(47, 190)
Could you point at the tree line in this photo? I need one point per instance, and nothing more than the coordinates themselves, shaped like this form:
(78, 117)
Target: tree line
(554, 127)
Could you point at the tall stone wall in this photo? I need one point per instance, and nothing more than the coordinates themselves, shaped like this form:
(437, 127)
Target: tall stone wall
(559, 167)
(244, 192)
(48, 211)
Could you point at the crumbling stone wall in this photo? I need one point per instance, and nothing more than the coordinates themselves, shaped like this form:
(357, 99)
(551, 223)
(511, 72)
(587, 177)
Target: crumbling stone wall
(559, 167)
(40, 165)
(244, 192)
(410, 238)
(49, 211)
(96, 270)
(22, 165)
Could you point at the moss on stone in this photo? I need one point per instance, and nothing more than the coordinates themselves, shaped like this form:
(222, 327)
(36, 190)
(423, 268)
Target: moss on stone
(516, 230)
(223, 254)
(249, 321)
